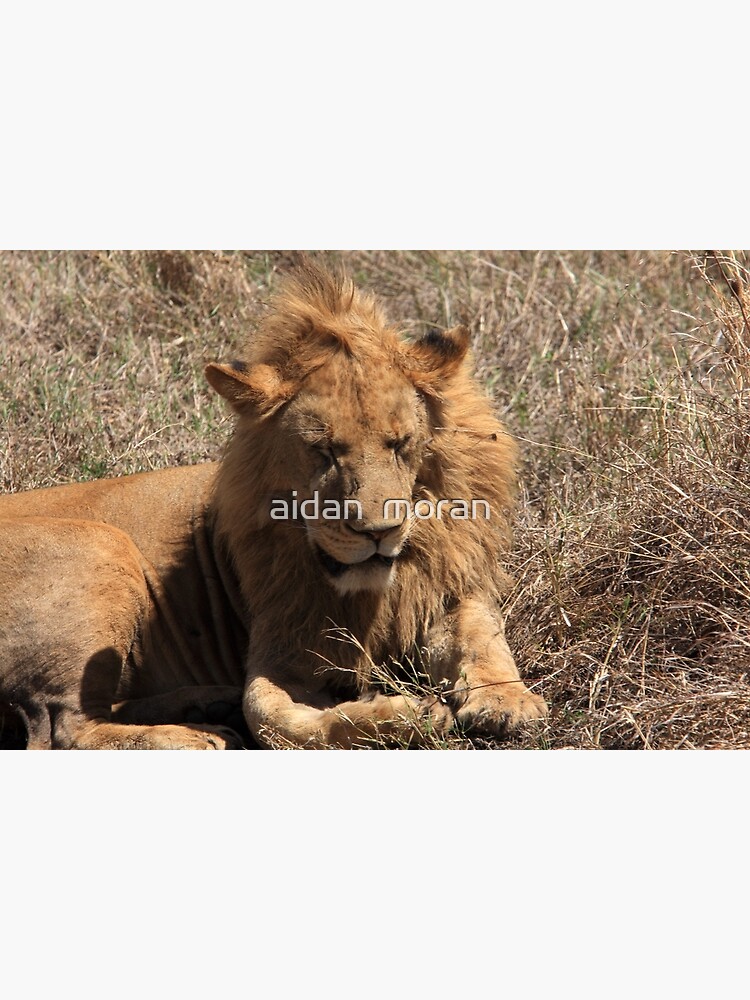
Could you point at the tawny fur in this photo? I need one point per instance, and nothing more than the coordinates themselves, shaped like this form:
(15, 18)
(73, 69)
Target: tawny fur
(324, 375)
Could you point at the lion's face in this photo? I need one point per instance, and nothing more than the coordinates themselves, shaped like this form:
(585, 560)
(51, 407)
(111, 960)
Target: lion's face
(334, 421)
(351, 450)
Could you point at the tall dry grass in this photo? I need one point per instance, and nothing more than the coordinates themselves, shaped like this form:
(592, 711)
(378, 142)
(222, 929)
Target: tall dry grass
(624, 375)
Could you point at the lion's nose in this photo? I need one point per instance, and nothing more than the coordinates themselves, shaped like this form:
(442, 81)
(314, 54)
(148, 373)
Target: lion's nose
(377, 531)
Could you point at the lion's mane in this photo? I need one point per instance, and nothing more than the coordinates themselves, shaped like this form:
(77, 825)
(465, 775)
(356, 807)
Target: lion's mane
(471, 456)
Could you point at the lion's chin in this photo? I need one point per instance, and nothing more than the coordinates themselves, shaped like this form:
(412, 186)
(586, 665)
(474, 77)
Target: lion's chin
(375, 573)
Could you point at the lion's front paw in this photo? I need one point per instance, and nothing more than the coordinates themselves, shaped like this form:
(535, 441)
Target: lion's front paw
(498, 709)
(398, 720)
(435, 716)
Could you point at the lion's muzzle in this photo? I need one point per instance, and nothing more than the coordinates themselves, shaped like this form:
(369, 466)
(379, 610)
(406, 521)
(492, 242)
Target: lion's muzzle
(361, 556)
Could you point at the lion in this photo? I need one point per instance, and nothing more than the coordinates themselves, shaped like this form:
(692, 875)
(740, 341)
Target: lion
(331, 539)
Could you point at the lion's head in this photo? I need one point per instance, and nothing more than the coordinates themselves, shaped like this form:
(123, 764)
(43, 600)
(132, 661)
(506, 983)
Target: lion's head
(345, 425)
(349, 452)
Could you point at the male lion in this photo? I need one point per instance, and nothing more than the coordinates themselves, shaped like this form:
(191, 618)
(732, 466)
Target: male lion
(133, 607)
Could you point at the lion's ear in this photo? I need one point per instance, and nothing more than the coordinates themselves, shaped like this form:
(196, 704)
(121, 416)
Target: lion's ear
(437, 356)
(258, 387)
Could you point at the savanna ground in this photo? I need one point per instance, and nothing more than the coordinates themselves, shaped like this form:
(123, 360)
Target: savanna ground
(625, 376)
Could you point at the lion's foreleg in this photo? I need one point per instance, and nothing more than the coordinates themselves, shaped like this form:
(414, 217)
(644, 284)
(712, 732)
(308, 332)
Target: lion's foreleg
(280, 716)
(469, 651)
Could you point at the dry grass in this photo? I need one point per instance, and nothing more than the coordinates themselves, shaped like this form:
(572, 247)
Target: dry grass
(626, 377)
